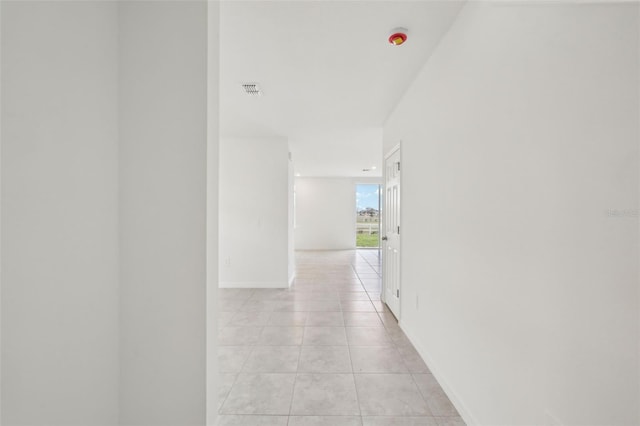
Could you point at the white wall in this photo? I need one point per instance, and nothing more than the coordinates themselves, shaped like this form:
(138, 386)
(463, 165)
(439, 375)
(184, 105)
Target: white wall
(1, 120)
(291, 182)
(163, 142)
(326, 212)
(59, 213)
(519, 136)
(104, 113)
(213, 109)
(254, 217)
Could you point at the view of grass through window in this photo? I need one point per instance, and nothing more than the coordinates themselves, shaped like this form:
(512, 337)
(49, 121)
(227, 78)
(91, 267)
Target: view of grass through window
(368, 215)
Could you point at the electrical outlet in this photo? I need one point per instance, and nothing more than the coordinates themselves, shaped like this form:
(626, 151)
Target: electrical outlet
(227, 262)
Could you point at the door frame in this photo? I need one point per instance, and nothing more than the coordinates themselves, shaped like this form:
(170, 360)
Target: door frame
(389, 153)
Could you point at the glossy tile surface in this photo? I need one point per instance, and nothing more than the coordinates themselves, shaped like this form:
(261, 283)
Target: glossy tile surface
(390, 395)
(376, 359)
(325, 359)
(399, 421)
(326, 351)
(273, 359)
(260, 394)
(325, 394)
(247, 420)
(325, 421)
(324, 336)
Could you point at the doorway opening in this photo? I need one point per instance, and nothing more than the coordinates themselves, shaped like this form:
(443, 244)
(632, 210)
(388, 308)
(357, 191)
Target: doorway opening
(368, 215)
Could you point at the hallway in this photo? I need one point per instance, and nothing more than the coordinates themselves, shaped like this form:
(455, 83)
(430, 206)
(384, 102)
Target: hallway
(325, 352)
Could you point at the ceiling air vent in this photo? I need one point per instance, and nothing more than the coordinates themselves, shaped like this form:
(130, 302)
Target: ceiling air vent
(252, 89)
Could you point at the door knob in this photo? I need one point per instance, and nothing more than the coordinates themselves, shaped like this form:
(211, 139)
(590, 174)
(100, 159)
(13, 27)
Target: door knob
(384, 238)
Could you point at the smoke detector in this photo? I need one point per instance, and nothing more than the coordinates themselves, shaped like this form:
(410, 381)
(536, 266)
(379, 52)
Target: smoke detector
(398, 36)
(252, 89)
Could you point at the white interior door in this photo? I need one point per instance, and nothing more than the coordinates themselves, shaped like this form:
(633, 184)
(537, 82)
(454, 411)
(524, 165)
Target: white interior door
(391, 233)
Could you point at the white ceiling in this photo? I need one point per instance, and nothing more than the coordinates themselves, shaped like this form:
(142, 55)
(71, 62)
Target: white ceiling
(337, 152)
(328, 74)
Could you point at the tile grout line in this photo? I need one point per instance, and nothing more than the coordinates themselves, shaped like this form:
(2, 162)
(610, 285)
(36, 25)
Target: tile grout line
(353, 377)
(413, 379)
(295, 378)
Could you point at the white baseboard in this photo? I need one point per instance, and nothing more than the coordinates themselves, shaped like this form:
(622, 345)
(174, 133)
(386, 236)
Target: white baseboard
(253, 284)
(466, 415)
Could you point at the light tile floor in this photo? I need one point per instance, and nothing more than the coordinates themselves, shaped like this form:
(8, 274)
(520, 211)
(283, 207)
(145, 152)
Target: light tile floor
(325, 352)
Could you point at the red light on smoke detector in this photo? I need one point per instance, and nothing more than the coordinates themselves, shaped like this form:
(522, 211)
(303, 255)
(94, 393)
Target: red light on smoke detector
(397, 38)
